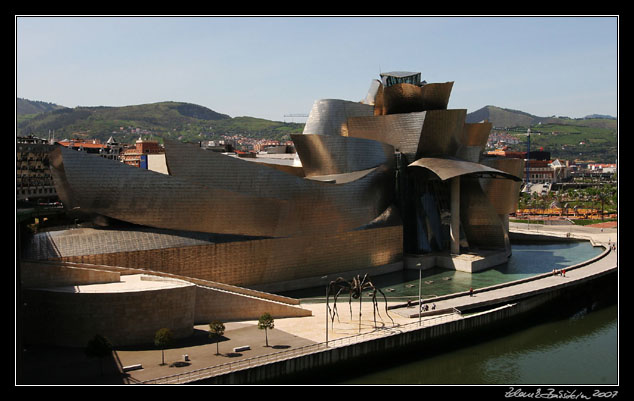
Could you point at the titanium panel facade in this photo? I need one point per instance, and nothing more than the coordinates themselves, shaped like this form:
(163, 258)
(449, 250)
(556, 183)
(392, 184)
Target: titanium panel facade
(329, 154)
(402, 131)
(474, 141)
(478, 218)
(329, 116)
(408, 98)
(503, 194)
(446, 169)
(349, 200)
(105, 187)
(441, 133)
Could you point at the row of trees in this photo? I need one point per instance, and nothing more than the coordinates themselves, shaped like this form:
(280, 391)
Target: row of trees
(99, 347)
(604, 198)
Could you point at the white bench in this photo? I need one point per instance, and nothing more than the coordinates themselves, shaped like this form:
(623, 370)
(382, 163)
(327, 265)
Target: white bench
(132, 367)
(242, 348)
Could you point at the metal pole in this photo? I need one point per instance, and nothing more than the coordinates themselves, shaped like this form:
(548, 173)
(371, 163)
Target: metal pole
(455, 216)
(327, 309)
(327, 316)
(420, 275)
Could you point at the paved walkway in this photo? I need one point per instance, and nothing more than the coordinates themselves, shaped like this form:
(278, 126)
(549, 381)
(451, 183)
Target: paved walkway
(294, 333)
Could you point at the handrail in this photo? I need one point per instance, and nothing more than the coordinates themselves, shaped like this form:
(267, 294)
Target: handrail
(260, 360)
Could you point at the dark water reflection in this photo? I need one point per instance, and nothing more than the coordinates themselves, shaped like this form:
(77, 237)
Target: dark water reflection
(581, 349)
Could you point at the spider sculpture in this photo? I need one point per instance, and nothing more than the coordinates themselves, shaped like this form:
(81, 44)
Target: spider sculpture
(355, 289)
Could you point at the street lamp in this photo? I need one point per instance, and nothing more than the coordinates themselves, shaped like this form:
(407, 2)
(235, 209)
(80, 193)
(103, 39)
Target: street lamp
(327, 290)
(420, 277)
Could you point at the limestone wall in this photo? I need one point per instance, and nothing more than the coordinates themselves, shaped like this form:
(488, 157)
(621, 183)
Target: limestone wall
(225, 306)
(132, 317)
(257, 262)
(36, 274)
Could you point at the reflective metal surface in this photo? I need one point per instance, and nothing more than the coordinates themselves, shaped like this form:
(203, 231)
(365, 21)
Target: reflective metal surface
(402, 131)
(478, 218)
(503, 194)
(329, 116)
(473, 141)
(426, 133)
(346, 201)
(449, 168)
(329, 154)
(407, 98)
(371, 96)
(441, 133)
(91, 184)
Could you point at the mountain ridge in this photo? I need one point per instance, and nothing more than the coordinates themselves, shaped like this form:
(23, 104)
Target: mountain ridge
(594, 138)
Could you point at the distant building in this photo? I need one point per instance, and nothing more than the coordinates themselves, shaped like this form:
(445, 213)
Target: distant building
(137, 156)
(33, 177)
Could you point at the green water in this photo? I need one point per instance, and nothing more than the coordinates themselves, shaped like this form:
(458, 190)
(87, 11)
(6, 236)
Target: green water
(579, 349)
(526, 260)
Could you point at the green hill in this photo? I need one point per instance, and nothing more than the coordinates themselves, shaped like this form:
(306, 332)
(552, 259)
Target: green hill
(591, 138)
(566, 138)
(164, 119)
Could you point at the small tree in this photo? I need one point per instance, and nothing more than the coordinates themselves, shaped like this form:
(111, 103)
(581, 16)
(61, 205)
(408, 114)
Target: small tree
(98, 347)
(162, 339)
(265, 323)
(216, 330)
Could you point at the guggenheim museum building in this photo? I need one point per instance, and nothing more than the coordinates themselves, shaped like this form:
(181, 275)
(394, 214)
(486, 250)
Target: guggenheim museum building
(394, 181)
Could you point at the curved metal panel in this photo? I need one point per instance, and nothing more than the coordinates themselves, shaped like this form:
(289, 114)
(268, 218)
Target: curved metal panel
(343, 202)
(425, 133)
(450, 168)
(473, 141)
(372, 92)
(407, 98)
(503, 194)
(402, 131)
(329, 154)
(113, 189)
(299, 207)
(480, 222)
(329, 116)
(441, 133)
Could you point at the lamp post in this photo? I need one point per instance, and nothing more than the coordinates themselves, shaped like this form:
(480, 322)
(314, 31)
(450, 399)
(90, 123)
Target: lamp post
(327, 290)
(420, 278)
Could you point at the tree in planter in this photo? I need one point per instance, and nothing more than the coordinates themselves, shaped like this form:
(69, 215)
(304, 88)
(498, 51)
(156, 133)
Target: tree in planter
(216, 330)
(163, 339)
(98, 347)
(265, 323)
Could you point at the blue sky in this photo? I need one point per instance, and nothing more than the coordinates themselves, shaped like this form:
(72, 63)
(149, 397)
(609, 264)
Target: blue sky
(270, 66)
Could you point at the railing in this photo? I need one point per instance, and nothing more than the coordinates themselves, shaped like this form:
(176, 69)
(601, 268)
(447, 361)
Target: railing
(217, 370)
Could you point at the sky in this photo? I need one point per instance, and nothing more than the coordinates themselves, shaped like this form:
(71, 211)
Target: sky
(268, 67)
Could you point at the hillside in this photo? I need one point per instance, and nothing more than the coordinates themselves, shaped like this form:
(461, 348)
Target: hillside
(584, 138)
(507, 118)
(592, 138)
(163, 119)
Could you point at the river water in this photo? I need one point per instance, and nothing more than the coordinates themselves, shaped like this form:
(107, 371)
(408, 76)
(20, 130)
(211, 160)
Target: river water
(576, 344)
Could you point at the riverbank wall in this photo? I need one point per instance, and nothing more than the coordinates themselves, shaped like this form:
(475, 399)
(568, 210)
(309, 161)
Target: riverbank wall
(399, 342)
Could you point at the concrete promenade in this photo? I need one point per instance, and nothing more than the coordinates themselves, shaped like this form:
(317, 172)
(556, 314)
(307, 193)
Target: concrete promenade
(294, 337)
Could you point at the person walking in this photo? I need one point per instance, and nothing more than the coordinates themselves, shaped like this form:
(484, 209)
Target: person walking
(471, 291)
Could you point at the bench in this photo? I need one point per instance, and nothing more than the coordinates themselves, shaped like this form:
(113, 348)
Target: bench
(132, 367)
(242, 348)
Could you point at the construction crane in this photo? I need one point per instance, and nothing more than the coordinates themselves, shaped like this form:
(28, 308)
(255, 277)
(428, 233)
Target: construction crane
(292, 115)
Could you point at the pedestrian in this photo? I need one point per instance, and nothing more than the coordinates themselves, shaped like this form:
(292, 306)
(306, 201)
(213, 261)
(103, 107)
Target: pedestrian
(433, 306)
(563, 272)
(471, 291)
